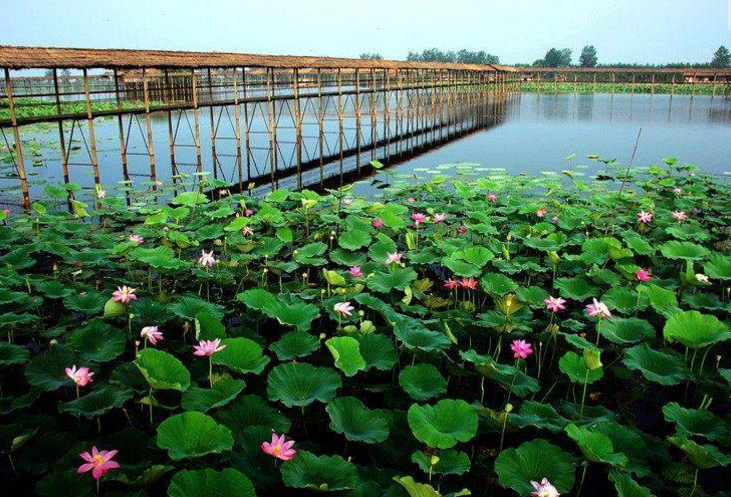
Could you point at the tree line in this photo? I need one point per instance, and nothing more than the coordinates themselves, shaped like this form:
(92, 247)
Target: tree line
(555, 57)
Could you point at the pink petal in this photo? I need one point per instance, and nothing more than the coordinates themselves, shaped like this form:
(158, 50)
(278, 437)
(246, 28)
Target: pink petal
(110, 455)
(85, 467)
(97, 472)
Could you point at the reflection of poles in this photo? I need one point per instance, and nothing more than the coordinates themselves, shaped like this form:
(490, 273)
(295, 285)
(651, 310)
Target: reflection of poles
(272, 125)
(247, 126)
(341, 125)
(357, 120)
(321, 126)
(62, 138)
(297, 125)
(148, 121)
(214, 155)
(16, 141)
(171, 135)
(90, 123)
(197, 124)
(237, 130)
(387, 115)
(372, 101)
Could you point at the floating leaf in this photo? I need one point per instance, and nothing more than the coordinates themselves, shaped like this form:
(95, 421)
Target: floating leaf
(695, 330)
(96, 403)
(350, 417)
(193, 434)
(656, 366)
(320, 473)
(533, 461)
(162, 370)
(301, 384)
(443, 425)
(596, 446)
(221, 393)
(346, 352)
(451, 462)
(295, 344)
(377, 351)
(422, 381)
(210, 483)
(241, 355)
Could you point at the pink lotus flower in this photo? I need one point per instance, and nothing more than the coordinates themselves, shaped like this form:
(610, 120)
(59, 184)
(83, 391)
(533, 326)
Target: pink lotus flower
(355, 271)
(81, 376)
(555, 304)
(248, 213)
(702, 278)
(394, 258)
(677, 191)
(644, 217)
(208, 347)
(541, 212)
(136, 238)
(348, 201)
(343, 309)
(521, 349)
(462, 230)
(223, 192)
(206, 258)
(554, 219)
(468, 283)
(491, 197)
(411, 200)
(680, 216)
(439, 218)
(598, 309)
(99, 462)
(150, 333)
(418, 218)
(544, 489)
(377, 223)
(451, 284)
(643, 275)
(246, 231)
(101, 193)
(124, 294)
(279, 448)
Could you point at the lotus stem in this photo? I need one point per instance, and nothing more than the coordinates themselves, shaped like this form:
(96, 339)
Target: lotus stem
(583, 394)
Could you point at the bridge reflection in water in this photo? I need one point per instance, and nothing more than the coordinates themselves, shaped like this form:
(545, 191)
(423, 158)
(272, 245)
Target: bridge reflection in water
(253, 121)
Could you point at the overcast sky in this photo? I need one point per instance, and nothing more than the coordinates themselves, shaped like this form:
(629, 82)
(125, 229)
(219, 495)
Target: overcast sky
(654, 31)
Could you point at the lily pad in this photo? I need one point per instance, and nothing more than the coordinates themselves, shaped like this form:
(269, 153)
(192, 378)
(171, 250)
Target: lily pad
(422, 381)
(162, 370)
(346, 352)
(302, 384)
(350, 417)
(659, 367)
(533, 461)
(695, 330)
(221, 393)
(241, 355)
(443, 425)
(210, 483)
(295, 344)
(319, 473)
(193, 434)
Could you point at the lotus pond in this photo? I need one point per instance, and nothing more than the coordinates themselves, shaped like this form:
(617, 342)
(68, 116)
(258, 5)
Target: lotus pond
(502, 335)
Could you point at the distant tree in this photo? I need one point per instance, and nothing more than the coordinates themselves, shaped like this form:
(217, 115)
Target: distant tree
(557, 58)
(371, 56)
(721, 58)
(588, 56)
(463, 56)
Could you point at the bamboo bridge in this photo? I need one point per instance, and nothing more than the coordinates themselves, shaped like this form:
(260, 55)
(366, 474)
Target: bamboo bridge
(264, 120)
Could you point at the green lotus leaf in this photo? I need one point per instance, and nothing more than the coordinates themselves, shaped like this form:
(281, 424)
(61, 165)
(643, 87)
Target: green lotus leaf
(392, 215)
(551, 243)
(718, 267)
(377, 351)
(639, 244)
(309, 255)
(299, 314)
(532, 295)
(241, 355)
(574, 366)
(210, 483)
(396, 279)
(302, 384)
(414, 335)
(701, 456)
(624, 300)
(695, 330)
(422, 381)
(89, 303)
(460, 267)
(162, 370)
(656, 366)
(221, 393)
(662, 300)
(533, 461)
(96, 403)
(578, 288)
(542, 416)
(256, 298)
(354, 239)
(190, 199)
(623, 331)
(444, 424)
(476, 255)
(350, 417)
(596, 446)
(97, 341)
(159, 258)
(208, 327)
(628, 442)
(424, 490)
(347, 258)
(193, 434)
(510, 377)
(698, 422)
(252, 412)
(686, 251)
(379, 251)
(451, 462)
(346, 352)
(295, 344)
(47, 371)
(63, 484)
(12, 354)
(189, 306)
(319, 473)
(497, 283)
(52, 289)
(626, 486)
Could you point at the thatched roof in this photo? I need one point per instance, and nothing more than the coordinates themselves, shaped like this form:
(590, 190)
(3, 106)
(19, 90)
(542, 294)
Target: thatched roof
(85, 58)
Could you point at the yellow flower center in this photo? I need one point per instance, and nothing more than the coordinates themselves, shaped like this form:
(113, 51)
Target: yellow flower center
(98, 459)
(277, 450)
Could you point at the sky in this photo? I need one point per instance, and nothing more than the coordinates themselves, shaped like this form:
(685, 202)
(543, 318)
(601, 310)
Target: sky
(644, 31)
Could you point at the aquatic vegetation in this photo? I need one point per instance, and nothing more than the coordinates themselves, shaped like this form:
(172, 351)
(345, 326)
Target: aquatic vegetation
(498, 335)
(550, 86)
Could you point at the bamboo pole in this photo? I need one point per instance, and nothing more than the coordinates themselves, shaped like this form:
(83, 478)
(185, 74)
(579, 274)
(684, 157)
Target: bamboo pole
(16, 141)
(237, 130)
(61, 137)
(148, 120)
(297, 124)
(92, 135)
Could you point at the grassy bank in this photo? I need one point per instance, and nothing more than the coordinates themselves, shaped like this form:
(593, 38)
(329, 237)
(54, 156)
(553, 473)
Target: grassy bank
(679, 89)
